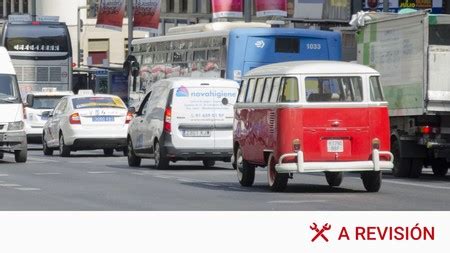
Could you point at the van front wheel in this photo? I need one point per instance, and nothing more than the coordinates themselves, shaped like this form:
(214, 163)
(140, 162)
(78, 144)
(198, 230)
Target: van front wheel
(245, 171)
(20, 156)
(277, 181)
(161, 161)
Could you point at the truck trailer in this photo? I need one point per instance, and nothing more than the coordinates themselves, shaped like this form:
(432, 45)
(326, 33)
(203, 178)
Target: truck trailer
(412, 53)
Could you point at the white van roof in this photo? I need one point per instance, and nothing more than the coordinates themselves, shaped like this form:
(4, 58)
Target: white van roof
(5, 63)
(176, 82)
(311, 67)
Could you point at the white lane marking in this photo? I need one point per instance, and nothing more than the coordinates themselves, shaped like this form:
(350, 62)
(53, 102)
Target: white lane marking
(79, 162)
(27, 189)
(163, 176)
(42, 160)
(4, 175)
(296, 201)
(141, 173)
(10, 185)
(187, 180)
(418, 185)
(46, 173)
(101, 172)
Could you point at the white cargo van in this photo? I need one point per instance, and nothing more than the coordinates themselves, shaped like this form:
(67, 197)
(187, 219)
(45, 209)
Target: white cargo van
(12, 132)
(184, 119)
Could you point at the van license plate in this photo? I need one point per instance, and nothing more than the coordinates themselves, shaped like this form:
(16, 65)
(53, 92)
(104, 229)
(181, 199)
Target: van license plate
(335, 146)
(196, 133)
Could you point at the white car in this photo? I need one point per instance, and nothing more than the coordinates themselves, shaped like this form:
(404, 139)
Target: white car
(37, 109)
(184, 119)
(87, 122)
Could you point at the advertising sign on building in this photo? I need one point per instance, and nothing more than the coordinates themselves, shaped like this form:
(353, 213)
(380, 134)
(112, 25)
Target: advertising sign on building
(271, 8)
(146, 15)
(396, 5)
(110, 14)
(227, 8)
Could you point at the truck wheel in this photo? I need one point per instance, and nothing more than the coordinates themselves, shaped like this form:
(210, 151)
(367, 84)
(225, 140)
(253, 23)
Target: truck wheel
(277, 181)
(133, 159)
(416, 168)
(439, 166)
(334, 179)
(47, 151)
(64, 151)
(209, 163)
(108, 151)
(371, 180)
(245, 171)
(402, 166)
(161, 161)
(20, 155)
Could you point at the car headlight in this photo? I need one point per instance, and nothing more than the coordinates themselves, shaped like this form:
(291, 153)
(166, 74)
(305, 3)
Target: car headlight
(14, 126)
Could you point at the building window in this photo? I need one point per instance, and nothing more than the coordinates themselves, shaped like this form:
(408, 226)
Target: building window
(1, 9)
(184, 6)
(170, 6)
(25, 6)
(93, 8)
(98, 51)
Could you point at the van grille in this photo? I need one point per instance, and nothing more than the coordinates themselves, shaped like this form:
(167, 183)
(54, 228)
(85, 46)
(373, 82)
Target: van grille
(38, 74)
(272, 122)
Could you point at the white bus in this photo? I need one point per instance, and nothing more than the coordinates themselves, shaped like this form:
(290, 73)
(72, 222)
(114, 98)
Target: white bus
(41, 53)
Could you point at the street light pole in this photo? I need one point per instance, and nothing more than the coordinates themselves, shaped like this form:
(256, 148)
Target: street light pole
(247, 11)
(79, 34)
(130, 24)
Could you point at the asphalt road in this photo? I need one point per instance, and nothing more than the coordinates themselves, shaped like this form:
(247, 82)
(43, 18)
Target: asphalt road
(89, 181)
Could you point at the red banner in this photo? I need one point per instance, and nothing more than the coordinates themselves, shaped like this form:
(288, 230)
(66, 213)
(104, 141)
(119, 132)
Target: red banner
(271, 8)
(227, 8)
(146, 15)
(110, 14)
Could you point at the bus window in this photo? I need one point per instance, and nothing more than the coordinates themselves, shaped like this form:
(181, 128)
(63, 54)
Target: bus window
(178, 56)
(289, 90)
(333, 89)
(267, 90)
(275, 90)
(250, 91)
(213, 55)
(376, 93)
(160, 58)
(199, 55)
(259, 90)
(243, 91)
(287, 45)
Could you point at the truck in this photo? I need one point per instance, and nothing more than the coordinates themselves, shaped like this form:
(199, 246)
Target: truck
(412, 53)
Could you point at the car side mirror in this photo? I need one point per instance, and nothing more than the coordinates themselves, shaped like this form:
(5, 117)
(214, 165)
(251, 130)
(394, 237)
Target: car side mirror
(132, 110)
(29, 102)
(50, 114)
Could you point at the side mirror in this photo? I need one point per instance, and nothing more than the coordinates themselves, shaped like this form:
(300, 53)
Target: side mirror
(46, 114)
(132, 110)
(29, 102)
(50, 114)
(135, 69)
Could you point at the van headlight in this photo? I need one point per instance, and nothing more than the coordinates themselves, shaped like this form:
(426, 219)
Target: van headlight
(15, 126)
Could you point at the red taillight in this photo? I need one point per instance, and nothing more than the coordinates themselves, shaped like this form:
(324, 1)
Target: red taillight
(128, 118)
(74, 119)
(168, 120)
(35, 23)
(425, 129)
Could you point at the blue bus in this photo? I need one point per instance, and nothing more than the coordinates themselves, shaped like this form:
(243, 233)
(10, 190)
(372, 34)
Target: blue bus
(225, 49)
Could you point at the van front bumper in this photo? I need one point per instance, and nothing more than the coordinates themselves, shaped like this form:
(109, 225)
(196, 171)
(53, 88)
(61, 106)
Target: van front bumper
(10, 141)
(306, 167)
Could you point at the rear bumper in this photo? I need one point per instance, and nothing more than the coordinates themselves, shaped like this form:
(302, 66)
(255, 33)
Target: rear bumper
(10, 141)
(306, 167)
(78, 133)
(195, 154)
(96, 143)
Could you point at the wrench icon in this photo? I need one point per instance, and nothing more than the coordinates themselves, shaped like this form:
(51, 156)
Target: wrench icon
(320, 232)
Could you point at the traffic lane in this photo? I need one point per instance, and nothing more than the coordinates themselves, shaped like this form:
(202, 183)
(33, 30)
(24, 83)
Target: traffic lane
(90, 181)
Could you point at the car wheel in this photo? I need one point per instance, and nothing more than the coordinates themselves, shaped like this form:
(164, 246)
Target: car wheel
(161, 161)
(277, 181)
(108, 151)
(2, 155)
(334, 179)
(209, 163)
(439, 166)
(20, 156)
(245, 171)
(64, 150)
(47, 151)
(371, 180)
(402, 166)
(133, 159)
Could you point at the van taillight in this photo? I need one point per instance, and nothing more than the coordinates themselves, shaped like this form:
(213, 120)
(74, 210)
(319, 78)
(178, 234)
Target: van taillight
(74, 119)
(167, 119)
(129, 117)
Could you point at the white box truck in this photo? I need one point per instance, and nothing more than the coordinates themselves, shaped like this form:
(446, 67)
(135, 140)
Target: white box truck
(412, 53)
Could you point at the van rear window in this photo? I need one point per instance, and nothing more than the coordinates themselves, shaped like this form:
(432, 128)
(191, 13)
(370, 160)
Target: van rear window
(333, 89)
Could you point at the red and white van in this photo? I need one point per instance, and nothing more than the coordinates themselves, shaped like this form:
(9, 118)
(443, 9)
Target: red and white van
(312, 116)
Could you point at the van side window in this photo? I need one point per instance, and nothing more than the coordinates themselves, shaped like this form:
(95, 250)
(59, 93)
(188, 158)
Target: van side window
(376, 93)
(334, 89)
(259, 90)
(275, 90)
(289, 90)
(243, 91)
(250, 91)
(267, 90)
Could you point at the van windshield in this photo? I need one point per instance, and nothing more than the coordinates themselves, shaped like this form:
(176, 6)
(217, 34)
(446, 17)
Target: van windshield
(9, 93)
(334, 89)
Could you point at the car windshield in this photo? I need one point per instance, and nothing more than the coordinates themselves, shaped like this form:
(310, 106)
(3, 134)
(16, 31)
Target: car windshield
(9, 92)
(97, 102)
(47, 102)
